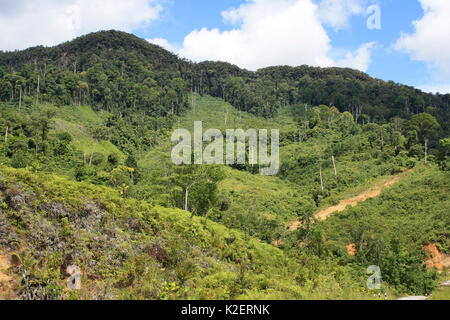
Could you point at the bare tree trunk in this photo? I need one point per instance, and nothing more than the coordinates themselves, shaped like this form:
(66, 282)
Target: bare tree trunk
(186, 196)
(306, 116)
(321, 177)
(251, 156)
(194, 98)
(84, 158)
(20, 98)
(334, 165)
(426, 150)
(382, 138)
(6, 135)
(37, 90)
(188, 187)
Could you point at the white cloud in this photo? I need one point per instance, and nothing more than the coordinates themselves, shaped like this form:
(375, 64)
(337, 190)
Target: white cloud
(264, 32)
(436, 88)
(163, 43)
(271, 32)
(336, 13)
(429, 42)
(359, 60)
(25, 23)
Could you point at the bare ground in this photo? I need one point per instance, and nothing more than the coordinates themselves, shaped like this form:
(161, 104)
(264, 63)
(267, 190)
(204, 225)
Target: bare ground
(6, 281)
(373, 192)
(436, 259)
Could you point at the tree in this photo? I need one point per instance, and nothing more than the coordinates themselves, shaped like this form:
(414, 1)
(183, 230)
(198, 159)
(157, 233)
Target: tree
(445, 145)
(42, 122)
(424, 124)
(20, 83)
(98, 133)
(426, 127)
(201, 179)
(83, 89)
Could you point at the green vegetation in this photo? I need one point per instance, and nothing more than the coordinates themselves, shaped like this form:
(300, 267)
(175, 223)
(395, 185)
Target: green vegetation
(112, 240)
(86, 177)
(392, 230)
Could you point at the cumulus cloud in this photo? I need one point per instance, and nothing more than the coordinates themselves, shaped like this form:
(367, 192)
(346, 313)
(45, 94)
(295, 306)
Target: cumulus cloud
(336, 13)
(360, 59)
(271, 32)
(263, 32)
(25, 23)
(429, 42)
(436, 88)
(163, 43)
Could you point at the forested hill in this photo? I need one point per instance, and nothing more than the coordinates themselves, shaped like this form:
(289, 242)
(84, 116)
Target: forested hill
(117, 71)
(87, 179)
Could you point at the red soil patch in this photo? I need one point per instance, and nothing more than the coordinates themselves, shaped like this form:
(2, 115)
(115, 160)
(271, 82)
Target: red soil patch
(353, 202)
(374, 192)
(436, 258)
(351, 249)
(6, 281)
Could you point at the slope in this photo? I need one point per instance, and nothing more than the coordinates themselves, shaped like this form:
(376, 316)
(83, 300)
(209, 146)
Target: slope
(128, 249)
(395, 230)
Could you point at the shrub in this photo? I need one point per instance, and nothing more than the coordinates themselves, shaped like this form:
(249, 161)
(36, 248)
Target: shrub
(20, 160)
(97, 158)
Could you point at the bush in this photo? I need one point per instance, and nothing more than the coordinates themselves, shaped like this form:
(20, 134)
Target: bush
(97, 158)
(20, 160)
(113, 159)
(64, 136)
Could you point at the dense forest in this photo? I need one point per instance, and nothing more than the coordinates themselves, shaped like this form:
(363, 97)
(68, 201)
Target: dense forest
(118, 71)
(86, 177)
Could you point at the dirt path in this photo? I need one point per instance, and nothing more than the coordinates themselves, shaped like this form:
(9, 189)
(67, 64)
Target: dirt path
(373, 192)
(6, 281)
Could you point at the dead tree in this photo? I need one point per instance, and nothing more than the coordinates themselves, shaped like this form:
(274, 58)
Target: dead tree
(321, 177)
(357, 111)
(37, 89)
(334, 165)
(188, 187)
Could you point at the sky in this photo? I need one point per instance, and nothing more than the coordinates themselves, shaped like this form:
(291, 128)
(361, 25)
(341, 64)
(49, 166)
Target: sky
(406, 41)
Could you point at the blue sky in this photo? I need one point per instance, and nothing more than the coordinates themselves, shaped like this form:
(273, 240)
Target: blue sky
(412, 45)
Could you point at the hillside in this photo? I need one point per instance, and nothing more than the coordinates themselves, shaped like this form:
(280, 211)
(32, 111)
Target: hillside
(87, 179)
(128, 249)
(112, 69)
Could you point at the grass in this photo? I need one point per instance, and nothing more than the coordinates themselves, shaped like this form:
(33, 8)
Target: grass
(110, 239)
(83, 142)
(442, 293)
(83, 115)
(217, 114)
(261, 205)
